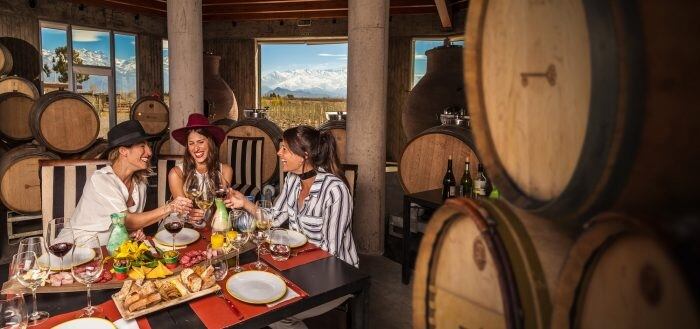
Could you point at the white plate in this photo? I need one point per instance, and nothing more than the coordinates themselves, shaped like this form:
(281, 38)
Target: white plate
(296, 239)
(92, 323)
(182, 238)
(83, 255)
(256, 287)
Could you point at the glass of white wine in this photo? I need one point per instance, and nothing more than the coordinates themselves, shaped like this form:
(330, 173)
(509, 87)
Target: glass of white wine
(205, 199)
(260, 235)
(31, 273)
(85, 269)
(193, 189)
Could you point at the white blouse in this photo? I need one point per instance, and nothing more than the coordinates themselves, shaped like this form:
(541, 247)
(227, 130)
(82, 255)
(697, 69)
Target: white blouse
(103, 195)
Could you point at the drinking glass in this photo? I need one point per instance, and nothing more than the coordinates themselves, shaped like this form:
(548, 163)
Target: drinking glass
(243, 222)
(279, 244)
(87, 270)
(31, 273)
(260, 235)
(220, 269)
(193, 188)
(205, 199)
(218, 183)
(58, 237)
(266, 210)
(173, 224)
(13, 312)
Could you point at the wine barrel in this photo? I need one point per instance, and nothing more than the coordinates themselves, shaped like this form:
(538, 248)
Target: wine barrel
(17, 84)
(224, 124)
(621, 273)
(423, 161)
(162, 146)
(15, 108)
(65, 122)
(152, 113)
(337, 129)
(3, 148)
(5, 60)
(252, 127)
(486, 265)
(95, 152)
(20, 188)
(572, 105)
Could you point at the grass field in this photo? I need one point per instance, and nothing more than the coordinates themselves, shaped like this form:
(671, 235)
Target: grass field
(289, 112)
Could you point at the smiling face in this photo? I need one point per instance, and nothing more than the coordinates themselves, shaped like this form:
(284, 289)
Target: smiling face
(138, 156)
(198, 147)
(291, 162)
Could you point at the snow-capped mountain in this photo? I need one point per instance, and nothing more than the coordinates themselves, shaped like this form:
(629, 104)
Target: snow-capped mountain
(126, 69)
(306, 82)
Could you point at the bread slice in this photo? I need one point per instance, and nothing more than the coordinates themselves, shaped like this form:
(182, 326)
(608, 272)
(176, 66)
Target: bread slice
(208, 282)
(181, 288)
(147, 289)
(185, 274)
(131, 298)
(121, 295)
(208, 272)
(194, 283)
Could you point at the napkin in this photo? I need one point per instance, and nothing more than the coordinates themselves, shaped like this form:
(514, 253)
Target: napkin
(126, 324)
(166, 248)
(289, 295)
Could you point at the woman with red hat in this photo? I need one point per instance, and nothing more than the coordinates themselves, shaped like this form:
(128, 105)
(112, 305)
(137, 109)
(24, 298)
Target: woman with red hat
(202, 141)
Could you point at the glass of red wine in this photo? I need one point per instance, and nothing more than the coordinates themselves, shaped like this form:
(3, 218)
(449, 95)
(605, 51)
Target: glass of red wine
(174, 224)
(58, 237)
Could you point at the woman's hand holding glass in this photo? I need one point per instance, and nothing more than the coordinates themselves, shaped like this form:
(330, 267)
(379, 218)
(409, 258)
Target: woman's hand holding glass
(236, 200)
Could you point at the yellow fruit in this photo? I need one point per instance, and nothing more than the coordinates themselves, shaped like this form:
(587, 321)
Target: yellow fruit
(231, 235)
(136, 274)
(158, 272)
(217, 240)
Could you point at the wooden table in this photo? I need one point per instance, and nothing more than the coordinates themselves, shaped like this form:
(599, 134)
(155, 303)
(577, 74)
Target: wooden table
(431, 199)
(324, 280)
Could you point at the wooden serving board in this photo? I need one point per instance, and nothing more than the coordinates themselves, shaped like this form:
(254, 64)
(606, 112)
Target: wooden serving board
(160, 306)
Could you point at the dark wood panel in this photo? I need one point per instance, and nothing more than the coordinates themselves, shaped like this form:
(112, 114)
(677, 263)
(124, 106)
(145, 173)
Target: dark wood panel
(20, 34)
(399, 84)
(150, 65)
(237, 68)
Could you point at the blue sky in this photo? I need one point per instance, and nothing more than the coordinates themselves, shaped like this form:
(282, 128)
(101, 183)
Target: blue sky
(420, 63)
(91, 40)
(283, 57)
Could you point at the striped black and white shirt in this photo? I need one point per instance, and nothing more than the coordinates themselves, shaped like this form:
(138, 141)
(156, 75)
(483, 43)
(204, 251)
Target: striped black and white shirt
(326, 216)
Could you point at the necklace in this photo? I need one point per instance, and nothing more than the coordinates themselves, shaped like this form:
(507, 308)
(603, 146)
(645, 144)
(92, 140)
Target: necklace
(308, 174)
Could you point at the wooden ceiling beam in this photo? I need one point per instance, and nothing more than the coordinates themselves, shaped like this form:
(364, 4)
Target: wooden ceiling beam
(151, 8)
(308, 14)
(445, 14)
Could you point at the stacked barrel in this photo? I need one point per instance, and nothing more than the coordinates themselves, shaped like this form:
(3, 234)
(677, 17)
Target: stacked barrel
(584, 115)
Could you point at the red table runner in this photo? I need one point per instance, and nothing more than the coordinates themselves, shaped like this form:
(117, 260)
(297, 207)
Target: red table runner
(109, 310)
(215, 312)
(300, 259)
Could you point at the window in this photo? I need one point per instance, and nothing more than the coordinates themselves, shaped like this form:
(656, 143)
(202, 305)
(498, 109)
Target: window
(301, 81)
(98, 64)
(420, 60)
(166, 73)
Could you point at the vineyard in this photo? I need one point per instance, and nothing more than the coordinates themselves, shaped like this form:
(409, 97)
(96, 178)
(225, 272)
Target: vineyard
(288, 112)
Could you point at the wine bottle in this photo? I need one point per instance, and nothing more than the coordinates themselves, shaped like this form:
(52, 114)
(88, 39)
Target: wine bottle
(466, 183)
(480, 183)
(449, 182)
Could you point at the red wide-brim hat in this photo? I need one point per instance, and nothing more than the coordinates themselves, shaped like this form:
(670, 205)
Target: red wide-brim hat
(198, 121)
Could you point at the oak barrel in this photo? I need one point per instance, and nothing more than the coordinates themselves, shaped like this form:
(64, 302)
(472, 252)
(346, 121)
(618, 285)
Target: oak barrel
(20, 188)
(162, 146)
(22, 85)
(152, 113)
(224, 123)
(253, 127)
(5, 60)
(486, 265)
(15, 108)
(64, 122)
(621, 273)
(337, 129)
(95, 152)
(578, 106)
(423, 161)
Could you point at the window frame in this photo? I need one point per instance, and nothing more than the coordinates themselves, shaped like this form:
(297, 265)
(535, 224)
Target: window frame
(109, 71)
(453, 38)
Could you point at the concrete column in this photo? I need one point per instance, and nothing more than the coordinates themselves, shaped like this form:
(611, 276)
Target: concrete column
(368, 37)
(185, 51)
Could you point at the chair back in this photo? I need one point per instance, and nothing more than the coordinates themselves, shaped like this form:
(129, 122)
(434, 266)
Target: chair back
(165, 163)
(246, 159)
(62, 183)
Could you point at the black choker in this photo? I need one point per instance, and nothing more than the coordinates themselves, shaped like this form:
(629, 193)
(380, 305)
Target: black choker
(308, 174)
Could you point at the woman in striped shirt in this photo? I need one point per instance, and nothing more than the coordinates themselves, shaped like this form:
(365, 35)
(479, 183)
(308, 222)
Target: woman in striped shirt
(315, 198)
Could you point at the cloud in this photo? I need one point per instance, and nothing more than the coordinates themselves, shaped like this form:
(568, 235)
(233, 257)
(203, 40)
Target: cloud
(87, 36)
(332, 55)
(421, 57)
(165, 44)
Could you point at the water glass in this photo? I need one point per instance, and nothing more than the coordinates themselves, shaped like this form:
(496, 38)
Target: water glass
(13, 312)
(220, 269)
(279, 244)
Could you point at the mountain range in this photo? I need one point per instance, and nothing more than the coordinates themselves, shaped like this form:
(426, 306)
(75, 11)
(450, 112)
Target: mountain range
(126, 69)
(306, 83)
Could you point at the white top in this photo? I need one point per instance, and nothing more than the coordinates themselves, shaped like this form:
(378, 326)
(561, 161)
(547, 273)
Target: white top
(103, 195)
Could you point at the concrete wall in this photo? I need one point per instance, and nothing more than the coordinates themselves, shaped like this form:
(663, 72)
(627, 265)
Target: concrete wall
(234, 41)
(18, 20)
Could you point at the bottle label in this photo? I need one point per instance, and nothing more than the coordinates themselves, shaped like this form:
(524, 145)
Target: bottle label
(480, 187)
(452, 191)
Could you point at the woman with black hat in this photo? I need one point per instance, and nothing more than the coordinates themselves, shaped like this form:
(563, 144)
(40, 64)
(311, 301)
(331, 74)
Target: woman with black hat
(121, 187)
(201, 157)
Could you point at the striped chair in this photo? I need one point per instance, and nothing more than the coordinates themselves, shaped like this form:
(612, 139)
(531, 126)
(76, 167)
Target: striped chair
(246, 159)
(165, 163)
(62, 183)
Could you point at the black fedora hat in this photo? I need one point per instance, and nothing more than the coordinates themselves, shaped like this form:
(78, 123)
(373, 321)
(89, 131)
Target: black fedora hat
(126, 133)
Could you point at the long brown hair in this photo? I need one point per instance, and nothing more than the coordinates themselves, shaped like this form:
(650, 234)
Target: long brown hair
(318, 147)
(212, 160)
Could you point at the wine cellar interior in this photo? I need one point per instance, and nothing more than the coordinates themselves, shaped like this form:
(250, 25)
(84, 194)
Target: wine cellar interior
(539, 170)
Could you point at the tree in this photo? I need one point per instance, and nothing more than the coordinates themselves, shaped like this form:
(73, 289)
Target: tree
(60, 65)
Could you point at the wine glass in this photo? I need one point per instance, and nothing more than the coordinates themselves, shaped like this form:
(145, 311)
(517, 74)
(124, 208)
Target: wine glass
(193, 188)
(218, 183)
(31, 273)
(242, 221)
(279, 244)
(264, 206)
(37, 245)
(174, 224)
(87, 261)
(205, 198)
(260, 235)
(58, 237)
(13, 311)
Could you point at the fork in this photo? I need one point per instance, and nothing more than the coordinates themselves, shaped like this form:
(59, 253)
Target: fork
(230, 304)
